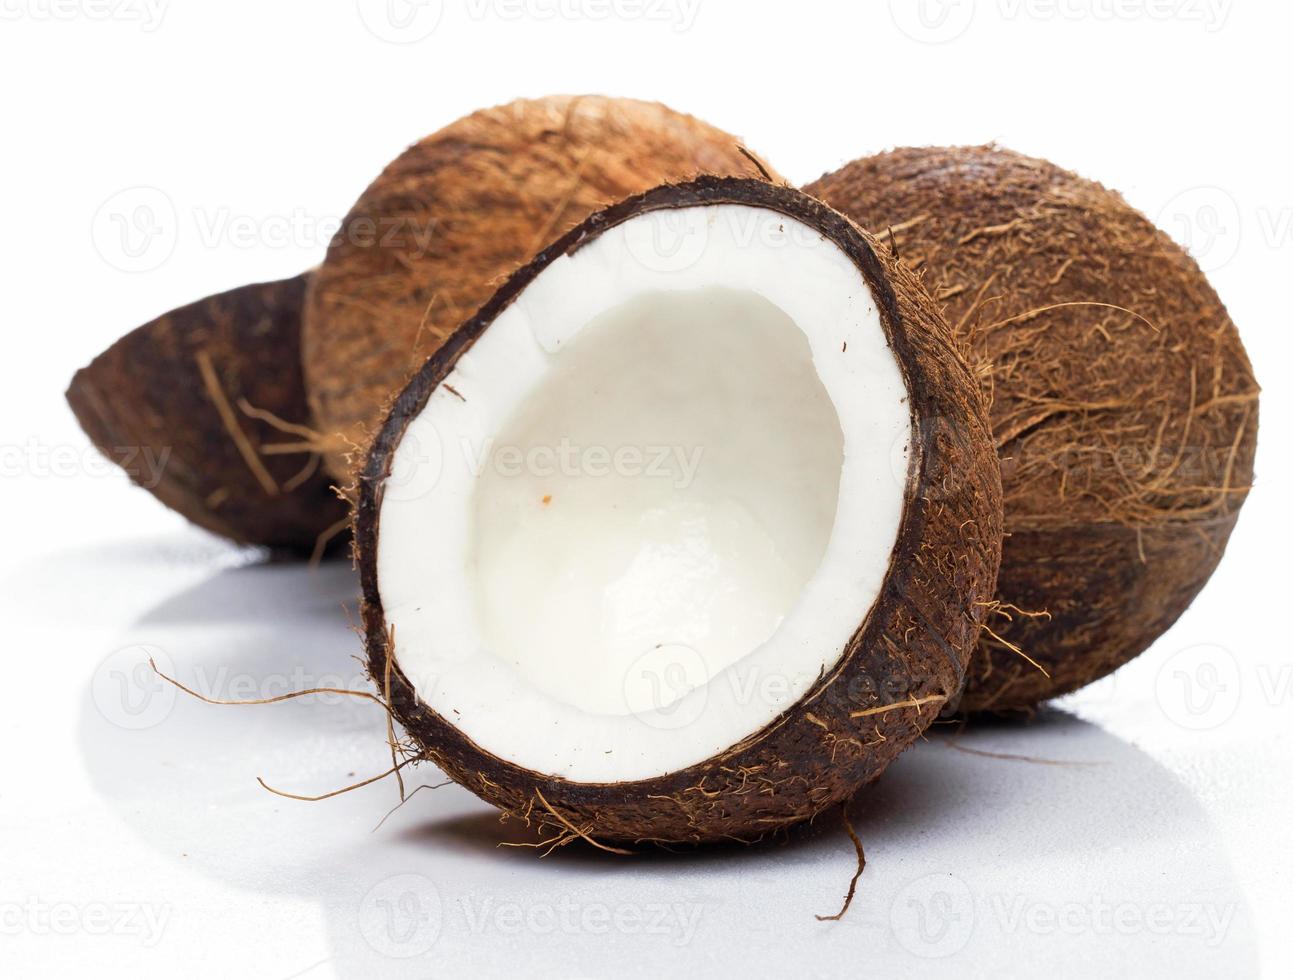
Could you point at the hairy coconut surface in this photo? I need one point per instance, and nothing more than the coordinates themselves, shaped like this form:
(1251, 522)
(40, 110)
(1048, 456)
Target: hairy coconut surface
(433, 236)
(884, 670)
(1123, 404)
(187, 404)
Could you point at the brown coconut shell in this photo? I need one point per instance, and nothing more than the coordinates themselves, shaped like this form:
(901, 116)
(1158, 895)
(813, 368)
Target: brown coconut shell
(904, 663)
(1123, 404)
(434, 235)
(199, 390)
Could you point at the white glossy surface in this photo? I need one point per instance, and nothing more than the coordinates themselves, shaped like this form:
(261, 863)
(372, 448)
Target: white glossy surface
(1149, 848)
(673, 481)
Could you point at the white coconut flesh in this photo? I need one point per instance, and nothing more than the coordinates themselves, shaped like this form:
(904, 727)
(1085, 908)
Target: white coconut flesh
(653, 502)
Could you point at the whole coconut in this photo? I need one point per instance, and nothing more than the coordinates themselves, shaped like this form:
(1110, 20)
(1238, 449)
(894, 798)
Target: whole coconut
(1123, 404)
(433, 236)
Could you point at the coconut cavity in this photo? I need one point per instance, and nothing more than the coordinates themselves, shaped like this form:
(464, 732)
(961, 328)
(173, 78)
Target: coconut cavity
(1123, 404)
(629, 538)
(430, 240)
(601, 596)
(659, 500)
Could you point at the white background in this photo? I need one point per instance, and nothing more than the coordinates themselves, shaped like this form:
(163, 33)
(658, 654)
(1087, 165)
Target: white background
(144, 851)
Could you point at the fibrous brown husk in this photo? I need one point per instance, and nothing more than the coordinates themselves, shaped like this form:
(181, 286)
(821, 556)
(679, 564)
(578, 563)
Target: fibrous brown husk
(905, 661)
(187, 403)
(433, 236)
(1126, 420)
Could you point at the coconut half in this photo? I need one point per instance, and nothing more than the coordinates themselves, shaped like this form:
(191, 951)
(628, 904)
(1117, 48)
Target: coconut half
(690, 530)
(187, 404)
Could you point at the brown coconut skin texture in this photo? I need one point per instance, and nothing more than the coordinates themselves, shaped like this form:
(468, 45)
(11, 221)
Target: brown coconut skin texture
(913, 647)
(149, 391)
(437, 232)
(1127, 438)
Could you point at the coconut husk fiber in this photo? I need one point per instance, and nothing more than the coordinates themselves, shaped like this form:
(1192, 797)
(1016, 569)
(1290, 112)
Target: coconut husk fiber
(205, 393)
(435, 234)
(1123, 405)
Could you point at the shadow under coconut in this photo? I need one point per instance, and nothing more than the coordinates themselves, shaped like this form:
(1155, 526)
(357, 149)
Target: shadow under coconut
(981, 862)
